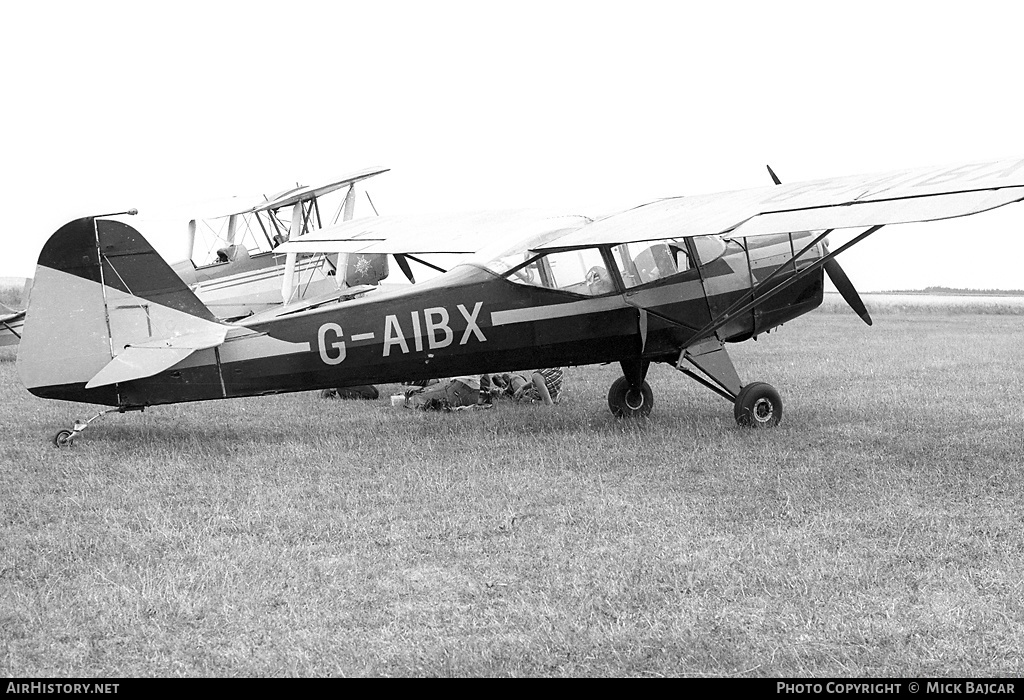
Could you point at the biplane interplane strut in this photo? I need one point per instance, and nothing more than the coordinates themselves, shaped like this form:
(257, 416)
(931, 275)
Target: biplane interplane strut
(250, 274)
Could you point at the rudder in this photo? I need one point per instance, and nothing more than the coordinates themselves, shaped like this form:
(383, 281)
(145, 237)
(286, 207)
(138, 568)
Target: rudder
(99, 287)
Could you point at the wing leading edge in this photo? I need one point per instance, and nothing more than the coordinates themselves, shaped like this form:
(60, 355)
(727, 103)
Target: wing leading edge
(904, 196)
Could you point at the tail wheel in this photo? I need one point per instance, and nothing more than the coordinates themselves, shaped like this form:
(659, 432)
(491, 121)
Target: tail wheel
(758, 405)
(65, 438)
(627, 401)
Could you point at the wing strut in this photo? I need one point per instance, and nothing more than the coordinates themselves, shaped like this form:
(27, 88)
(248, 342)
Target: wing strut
(8, 327)
(741, 307)
(835, 273)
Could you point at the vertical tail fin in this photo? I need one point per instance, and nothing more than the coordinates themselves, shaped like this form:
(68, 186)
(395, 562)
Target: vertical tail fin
(99, 287)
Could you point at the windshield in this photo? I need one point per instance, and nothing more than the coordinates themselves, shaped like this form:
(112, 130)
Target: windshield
(503, 256)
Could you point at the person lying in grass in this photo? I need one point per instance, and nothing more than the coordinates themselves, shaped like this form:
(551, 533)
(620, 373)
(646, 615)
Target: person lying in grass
(540, 386)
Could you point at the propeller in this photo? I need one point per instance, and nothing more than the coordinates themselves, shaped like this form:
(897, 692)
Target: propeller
(404, 264)
(838, 276)
(845, 287)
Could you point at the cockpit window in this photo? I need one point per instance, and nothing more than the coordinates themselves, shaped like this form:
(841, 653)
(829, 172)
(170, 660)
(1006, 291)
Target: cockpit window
(578, 271)
(640, 263)
(708, 248)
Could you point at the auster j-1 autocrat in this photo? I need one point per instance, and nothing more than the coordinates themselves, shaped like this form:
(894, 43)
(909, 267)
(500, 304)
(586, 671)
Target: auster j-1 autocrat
(673, 281)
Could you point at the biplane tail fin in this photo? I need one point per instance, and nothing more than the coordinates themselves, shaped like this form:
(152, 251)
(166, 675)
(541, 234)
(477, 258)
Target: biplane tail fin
(106, 308)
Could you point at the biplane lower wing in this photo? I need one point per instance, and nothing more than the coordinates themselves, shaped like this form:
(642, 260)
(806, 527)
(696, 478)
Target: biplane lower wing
(452, 233)
(11, 327)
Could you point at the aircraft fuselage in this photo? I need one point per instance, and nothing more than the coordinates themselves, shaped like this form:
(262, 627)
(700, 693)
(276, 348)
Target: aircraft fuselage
(468, 321)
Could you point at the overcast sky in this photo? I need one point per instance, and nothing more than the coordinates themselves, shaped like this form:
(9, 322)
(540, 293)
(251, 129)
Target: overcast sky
(585, 107)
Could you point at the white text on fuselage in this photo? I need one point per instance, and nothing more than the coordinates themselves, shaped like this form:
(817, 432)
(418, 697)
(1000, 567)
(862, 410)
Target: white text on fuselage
(427, 329)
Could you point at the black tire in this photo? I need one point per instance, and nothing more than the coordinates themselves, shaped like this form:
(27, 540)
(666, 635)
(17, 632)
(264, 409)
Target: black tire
(64, 438)
(630, 404)
(758, 405)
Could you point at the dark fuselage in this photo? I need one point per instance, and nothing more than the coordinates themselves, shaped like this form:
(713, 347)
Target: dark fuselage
(469, 321)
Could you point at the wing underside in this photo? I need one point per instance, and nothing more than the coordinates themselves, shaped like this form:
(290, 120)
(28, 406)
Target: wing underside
(850, 202)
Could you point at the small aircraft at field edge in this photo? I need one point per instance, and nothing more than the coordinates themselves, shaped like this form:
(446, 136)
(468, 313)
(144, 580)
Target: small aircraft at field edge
(672, 281)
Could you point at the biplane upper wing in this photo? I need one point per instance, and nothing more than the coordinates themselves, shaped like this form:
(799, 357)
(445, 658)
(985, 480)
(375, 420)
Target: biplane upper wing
(251, 205)
(418, 234)
(904, 196)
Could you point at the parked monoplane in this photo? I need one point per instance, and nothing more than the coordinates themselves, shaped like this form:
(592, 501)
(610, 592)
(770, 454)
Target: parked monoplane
(672, 281)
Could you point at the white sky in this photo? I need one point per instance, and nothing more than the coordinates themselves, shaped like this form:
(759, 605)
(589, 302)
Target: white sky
(585, 107)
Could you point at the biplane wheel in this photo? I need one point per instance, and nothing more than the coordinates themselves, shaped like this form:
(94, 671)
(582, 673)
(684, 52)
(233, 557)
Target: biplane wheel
(758, 405)
(65, 438)
(630, 402)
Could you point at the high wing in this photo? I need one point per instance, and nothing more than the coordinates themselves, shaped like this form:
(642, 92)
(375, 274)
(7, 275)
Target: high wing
(420, 234)
(904, 196)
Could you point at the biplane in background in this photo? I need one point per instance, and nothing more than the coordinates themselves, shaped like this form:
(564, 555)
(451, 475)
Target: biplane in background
(672, 281)
(236, 269)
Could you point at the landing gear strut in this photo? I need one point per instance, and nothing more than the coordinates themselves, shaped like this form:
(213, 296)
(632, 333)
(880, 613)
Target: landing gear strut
(66, 438)
(630, 396)
(755, 405)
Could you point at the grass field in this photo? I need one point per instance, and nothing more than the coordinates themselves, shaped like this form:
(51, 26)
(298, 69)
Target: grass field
(877, 532)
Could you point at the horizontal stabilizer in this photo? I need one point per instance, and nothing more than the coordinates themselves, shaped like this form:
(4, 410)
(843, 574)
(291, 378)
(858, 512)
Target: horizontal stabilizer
(104, 308)
(152, 357)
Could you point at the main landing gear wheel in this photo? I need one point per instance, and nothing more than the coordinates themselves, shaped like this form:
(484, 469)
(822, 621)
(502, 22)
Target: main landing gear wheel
(630, 402)
(758, 405)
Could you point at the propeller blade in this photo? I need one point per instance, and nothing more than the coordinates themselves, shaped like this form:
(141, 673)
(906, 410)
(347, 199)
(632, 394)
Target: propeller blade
(845, 287)
(838, 276)
(404, 264)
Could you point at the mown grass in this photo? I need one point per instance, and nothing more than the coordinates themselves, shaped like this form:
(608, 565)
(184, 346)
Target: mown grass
(932, 305)
(877, 532)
